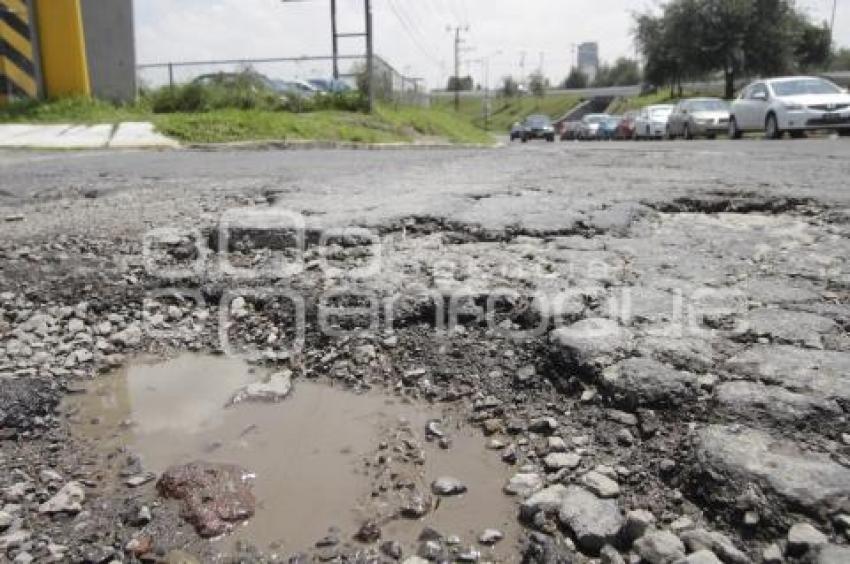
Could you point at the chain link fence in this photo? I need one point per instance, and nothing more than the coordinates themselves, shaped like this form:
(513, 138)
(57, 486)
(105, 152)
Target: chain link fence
(390, 85)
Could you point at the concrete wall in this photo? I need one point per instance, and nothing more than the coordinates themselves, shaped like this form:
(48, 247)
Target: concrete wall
(110, 48)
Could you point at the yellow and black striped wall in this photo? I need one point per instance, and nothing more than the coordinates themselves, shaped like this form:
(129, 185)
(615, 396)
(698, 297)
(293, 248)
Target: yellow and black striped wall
(19, 58)
(54, 48)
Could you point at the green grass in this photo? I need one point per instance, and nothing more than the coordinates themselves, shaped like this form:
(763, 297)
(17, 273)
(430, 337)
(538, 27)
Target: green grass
(386, 125)
(71, 110)
(506, 111)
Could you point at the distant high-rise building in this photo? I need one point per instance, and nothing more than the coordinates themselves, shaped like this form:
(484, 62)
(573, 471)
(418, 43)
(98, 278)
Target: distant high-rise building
(588, 59)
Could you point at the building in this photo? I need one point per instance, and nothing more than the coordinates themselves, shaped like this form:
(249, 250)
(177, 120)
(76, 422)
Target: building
(54, 48)
(588, 59)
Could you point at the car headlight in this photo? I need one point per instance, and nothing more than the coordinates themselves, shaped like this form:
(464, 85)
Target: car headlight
(794, 107)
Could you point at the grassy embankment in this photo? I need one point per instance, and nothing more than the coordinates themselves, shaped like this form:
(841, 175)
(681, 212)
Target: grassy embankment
(506, 111)
(233, 124)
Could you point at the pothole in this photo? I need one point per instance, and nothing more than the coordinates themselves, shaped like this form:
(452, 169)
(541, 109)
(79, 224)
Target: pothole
(323, 457)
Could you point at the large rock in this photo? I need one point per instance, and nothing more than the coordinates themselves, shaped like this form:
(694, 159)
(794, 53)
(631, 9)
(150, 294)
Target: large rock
(831, 554)
(718, 543)
(759, 401)
(637, 382)
(591, 344)
(659, 547)
(69, 499)
(787, 327)
(23, 401)
(273, 389)
(547, 500)
(593, 521)
(823, 373)
(214, 495)
(776, 474)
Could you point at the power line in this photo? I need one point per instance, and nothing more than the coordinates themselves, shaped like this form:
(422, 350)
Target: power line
(412, 32)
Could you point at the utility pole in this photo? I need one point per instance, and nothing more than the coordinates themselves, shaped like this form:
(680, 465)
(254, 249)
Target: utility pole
(370, 63)
(334, 40)
(458, 41)
(832, 23)
(335, 35)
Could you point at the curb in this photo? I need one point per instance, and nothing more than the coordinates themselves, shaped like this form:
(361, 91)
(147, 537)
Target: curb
(319, 145)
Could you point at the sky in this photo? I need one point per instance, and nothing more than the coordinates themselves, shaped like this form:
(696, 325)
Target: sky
(412, 35)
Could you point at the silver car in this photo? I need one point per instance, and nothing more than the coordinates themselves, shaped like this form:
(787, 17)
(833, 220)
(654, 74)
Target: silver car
(590, 125)
(651, 122)
(698, 117)
(794, 104)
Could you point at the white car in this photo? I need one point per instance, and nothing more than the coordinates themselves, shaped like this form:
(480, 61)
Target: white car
(794, 104)
(651, 122)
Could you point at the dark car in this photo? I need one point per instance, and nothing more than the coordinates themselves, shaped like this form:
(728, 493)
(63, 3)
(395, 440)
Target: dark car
(537, 127)
(516, 131)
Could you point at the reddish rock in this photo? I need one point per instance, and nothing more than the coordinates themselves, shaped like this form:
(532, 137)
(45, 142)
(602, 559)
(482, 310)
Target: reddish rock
(214, 495)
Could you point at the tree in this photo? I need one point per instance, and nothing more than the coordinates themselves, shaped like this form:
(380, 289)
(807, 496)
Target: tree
(537, 84)
(462, 83)
(813, 48)
(510, 87)
(576, 79)
(840, 60)
(693, 37)
(624, 72)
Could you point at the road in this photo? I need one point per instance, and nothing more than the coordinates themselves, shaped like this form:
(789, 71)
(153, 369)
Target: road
(540, 187)
(653, 326)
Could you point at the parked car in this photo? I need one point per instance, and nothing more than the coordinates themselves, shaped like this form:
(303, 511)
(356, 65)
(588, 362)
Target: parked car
(253, 81)
(300, 88)
(590, 126)
(793, 104)
(651, 122)
(698, 117)
(516, 131)
(537, 127)
(570, 130)
(608, 128)
(331, 85)
(626, 127)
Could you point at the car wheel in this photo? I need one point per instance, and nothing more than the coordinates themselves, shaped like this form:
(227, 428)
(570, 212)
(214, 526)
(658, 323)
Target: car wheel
(711, 136)
(844, 132)
(771, 127)
(797, 134)
(524, 139)
(670, 134)
(734, 132)
(686, 132)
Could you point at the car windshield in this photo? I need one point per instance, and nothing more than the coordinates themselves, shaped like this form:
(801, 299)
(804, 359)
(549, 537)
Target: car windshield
(804, 86)
(538, 121)
(660, 112)
(708, 106)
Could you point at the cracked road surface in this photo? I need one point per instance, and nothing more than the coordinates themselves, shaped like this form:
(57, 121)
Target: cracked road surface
(653, 338)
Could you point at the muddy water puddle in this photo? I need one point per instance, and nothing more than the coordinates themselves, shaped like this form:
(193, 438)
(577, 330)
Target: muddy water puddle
(308, 452)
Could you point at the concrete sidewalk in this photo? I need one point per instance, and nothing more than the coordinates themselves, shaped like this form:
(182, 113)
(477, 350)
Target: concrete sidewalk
(125, 135)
